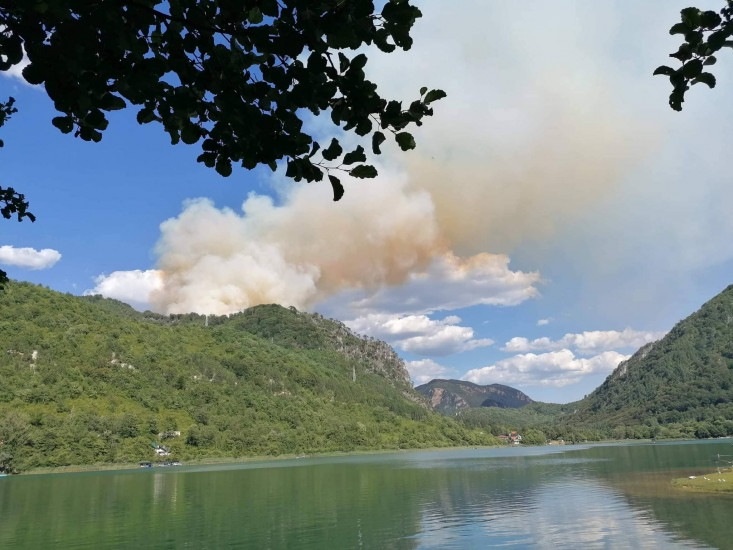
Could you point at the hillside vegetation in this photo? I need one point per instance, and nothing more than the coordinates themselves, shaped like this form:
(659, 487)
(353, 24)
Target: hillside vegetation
(680, 386)
(86, 380)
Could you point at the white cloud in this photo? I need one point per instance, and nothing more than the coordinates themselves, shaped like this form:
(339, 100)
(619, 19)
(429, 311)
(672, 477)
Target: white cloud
(585, 343)
(16, 71)
(556, 369)
(29, 258)
(451, 283)
(448, 283)
(133, 287)
(419, 334)
(425, 370)
(543, 322)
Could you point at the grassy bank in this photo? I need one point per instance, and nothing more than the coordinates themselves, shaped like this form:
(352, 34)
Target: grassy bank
(716, 482)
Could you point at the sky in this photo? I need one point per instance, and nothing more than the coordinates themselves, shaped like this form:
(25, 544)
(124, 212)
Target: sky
(555, 216)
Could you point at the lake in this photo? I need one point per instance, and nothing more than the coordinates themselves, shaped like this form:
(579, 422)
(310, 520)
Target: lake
(593, 496)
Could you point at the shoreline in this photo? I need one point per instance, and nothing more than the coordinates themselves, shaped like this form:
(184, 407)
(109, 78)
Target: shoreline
(126, 466)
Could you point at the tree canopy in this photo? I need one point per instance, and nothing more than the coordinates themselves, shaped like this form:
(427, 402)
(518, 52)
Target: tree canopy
(705, 33)
(237, 77)
(12, 203)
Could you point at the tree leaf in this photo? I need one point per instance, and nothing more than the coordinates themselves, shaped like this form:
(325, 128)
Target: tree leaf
(363, 171)
(333, 151)
(691, 17)
(710, 19)
(706, 78)
(405, 141)
(63, 123)
(663, 69)
(692, 68)
(434, 95)
(357, 155)
(338, 189)
(255, 16)
(190, 134)
(679, 28)
(224, 167)
(377, 139)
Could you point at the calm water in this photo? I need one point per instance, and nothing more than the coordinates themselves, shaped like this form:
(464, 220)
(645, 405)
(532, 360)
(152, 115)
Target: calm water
(611, 496)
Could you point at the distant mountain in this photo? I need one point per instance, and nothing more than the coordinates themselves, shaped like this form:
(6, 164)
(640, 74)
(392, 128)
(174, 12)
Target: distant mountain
(681, 385)
(86, 380)
(451, 396)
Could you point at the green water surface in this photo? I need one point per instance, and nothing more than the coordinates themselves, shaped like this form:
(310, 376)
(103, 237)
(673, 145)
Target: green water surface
(604, 496)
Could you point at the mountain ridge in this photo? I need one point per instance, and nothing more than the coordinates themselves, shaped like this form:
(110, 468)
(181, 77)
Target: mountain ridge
(86, 380)
(450, 396)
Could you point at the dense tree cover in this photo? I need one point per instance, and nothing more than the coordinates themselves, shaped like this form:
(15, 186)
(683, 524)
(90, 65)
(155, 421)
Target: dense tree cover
(89, 380)
(679, 387)
(239, 78)
(705, 34)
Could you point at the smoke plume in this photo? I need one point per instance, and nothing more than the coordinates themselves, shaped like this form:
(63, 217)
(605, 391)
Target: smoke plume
(511, 155)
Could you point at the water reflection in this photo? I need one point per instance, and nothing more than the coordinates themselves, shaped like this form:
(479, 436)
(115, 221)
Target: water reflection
(590, 497)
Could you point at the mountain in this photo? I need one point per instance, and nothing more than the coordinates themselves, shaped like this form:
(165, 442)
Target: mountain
(679, 386)
(451, 396)
(86, 380)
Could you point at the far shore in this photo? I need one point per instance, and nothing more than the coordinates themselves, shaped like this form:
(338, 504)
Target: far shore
(125, 466)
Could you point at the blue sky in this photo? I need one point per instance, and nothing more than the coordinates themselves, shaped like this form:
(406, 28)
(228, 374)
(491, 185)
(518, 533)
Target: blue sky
(555, 216)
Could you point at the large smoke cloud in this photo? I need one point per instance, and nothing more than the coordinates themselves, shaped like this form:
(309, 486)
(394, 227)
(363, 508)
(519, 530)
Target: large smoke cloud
(512, 154)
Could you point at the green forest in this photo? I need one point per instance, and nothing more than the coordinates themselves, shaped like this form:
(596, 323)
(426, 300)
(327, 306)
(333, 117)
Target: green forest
(678, 387)
(87, 380)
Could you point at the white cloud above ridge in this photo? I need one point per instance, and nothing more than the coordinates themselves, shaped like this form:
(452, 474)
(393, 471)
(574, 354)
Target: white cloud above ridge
(585, 343)
(29, 258)
(423, 371)
(133, 287)
(420, 335)
(553, 369)
(451, 283)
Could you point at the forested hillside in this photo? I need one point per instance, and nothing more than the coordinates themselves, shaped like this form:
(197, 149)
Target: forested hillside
(679, 386)
(89, 380)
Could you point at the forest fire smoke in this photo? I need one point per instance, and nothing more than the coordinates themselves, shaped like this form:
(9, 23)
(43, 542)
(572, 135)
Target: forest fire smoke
(501, 163)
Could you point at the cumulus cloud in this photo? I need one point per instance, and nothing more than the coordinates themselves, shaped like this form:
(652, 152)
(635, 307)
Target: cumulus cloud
(451, 283)
(419, 334)
(543, 322)
(29, 258)
(555, 369)
(133, 287)
(585, 343)
(425, 370)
